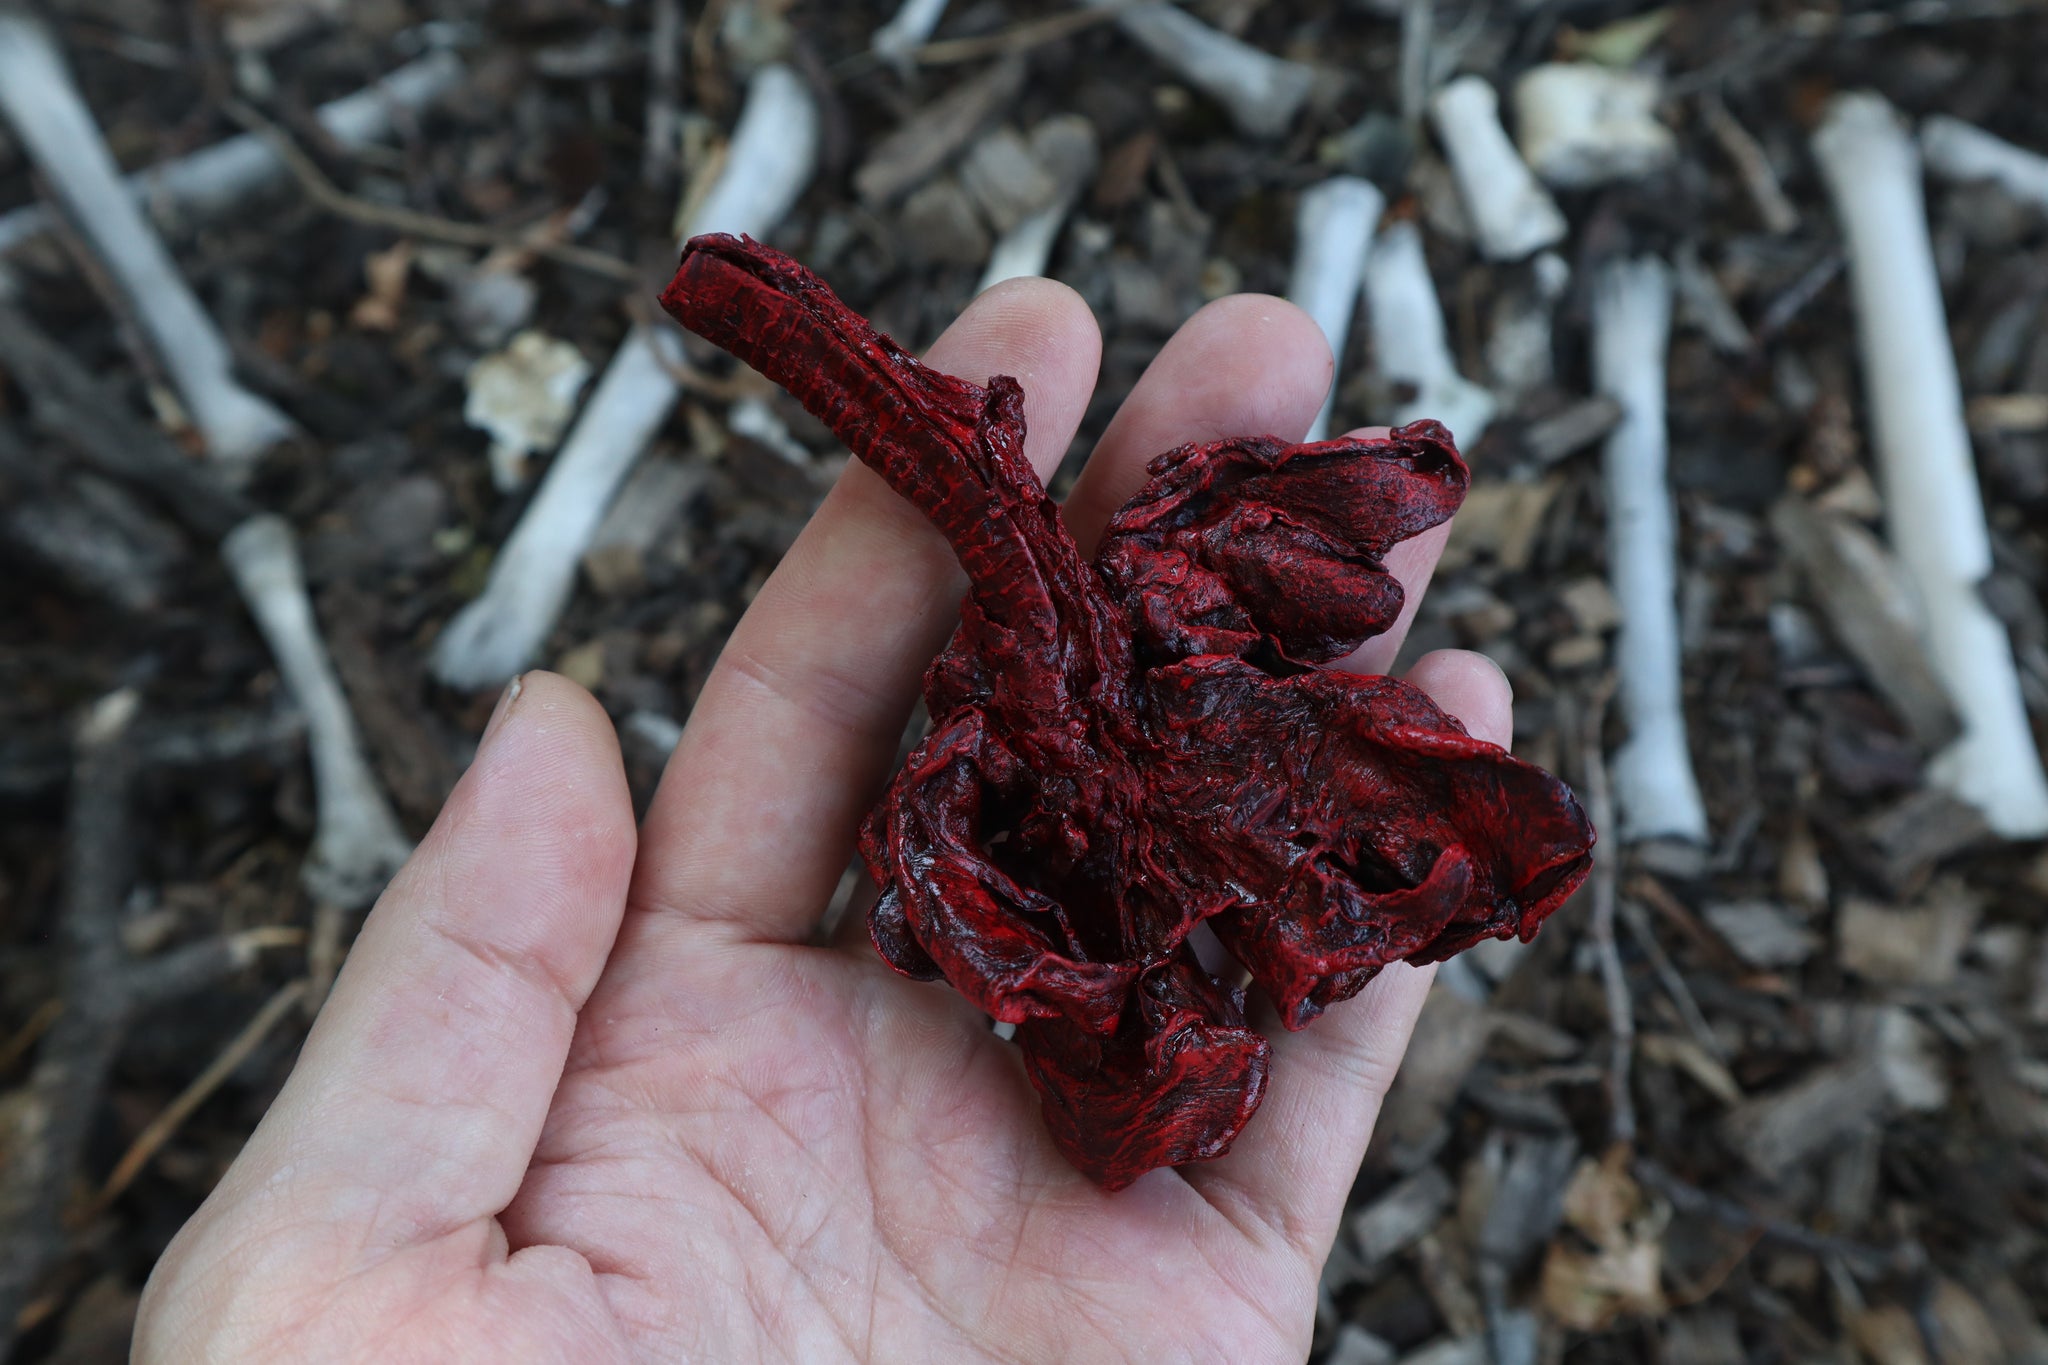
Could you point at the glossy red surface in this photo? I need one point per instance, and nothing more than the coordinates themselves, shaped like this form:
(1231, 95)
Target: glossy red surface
(1122, 750)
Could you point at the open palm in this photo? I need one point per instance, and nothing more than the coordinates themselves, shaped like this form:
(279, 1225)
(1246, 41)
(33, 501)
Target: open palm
(583, 1096)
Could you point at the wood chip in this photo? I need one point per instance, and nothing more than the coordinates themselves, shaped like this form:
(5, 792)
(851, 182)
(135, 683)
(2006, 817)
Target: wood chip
(1467, 1350)
(1916, 947)
(1887, 1335)
(1621, 1275)
(1776, 1132)
(1858, 588)
(1449, 1039)
(647, 510)
(1762, 934)
(1929, 826)
(940, 225)
(1401, 1217)
(1565, 433)
(1591, 604)
(1447, 1281)
(1684, 1054)
(1702, 1336)
(2009, 413)
(1967, 1333)
(1500, 519)
(1005, 179)
(914, 152)
(1356, 1346)
(1526, 1197)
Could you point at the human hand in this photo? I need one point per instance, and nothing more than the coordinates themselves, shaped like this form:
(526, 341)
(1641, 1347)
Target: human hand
(570, 1103)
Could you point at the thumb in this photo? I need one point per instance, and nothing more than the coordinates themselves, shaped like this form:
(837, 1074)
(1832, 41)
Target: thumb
(420, 1095)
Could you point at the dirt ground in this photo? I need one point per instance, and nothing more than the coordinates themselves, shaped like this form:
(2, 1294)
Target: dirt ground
(1832, 1143)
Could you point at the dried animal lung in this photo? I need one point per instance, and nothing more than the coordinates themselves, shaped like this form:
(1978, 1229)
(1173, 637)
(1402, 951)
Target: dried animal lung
(1122, 750)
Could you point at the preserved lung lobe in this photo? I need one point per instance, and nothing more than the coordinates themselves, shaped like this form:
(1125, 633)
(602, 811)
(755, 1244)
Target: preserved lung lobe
(1123, 750)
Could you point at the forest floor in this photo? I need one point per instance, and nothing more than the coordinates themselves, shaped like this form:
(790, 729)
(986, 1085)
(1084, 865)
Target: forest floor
(1833, 1140)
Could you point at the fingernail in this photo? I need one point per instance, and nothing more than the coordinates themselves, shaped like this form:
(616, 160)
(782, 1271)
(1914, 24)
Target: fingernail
(502, 709)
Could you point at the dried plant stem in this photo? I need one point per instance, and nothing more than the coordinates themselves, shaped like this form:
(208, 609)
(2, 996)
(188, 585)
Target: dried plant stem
(1750, 163)
(43, 1133)
(665, 40)
(411, 222)
(1602, 888)
(166, 1124)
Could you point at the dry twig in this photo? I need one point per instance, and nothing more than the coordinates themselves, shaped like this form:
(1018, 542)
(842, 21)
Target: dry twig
(43, 1130)
(411, 222)
(1602, 888)
(166, 1124)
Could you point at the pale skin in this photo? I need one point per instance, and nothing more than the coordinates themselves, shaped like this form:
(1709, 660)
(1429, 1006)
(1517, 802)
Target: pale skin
(584, 1093)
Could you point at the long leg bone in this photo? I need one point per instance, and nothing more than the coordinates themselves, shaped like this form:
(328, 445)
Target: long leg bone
(55, 126)
(1409, 345)
(1512, 214)
(1934, 513)
(358, 843)
(770, 160)
(908, 30)
(1654, 787)
(1261, 92)
(1332, 236)
(1956, 150)
(214, 179)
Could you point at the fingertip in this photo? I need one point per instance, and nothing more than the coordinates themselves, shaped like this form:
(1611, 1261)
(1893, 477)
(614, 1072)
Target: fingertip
(1245, 365)
(1471, 687)
(551, 753)
(1042, 334)
(1288, 346)
(1413, 564)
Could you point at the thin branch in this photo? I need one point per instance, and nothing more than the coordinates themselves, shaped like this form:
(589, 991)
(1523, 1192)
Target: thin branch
(55, 1115)
(1602, 887)
(1866, 1260)
(1022, 37)
(411, 222)
(166, 1124)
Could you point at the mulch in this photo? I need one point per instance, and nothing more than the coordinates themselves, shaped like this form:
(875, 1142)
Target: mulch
(1834, 1140)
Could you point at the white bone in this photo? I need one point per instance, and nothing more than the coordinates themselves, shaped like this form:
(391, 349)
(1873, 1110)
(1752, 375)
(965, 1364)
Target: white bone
(1262, 93)
(1956, 150)
(55, 126)
(1333, 227)
(214, 179)
(1518, 350)
(909, 30)
(1512, 215)
(1581, 124)
(1408, 341)
(1655, 792)
(768, 163)
(1934, 512)
(357, 844)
